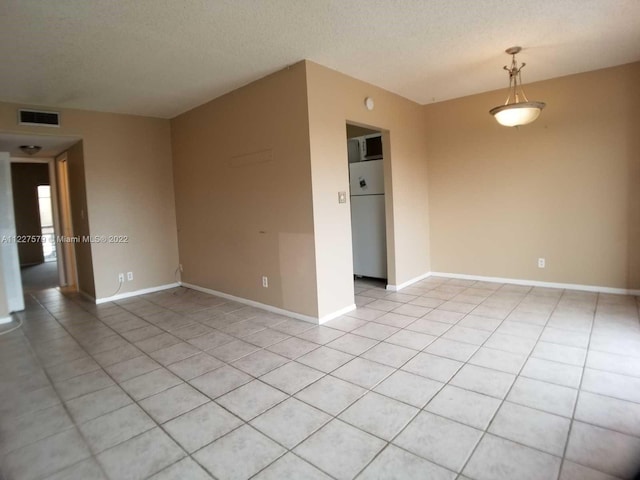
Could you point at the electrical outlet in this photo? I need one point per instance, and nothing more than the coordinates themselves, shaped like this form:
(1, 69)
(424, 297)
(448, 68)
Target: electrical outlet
(541, 263)
(265, 282)
(129, 276)
(181, 268)
(121, 277)
(342, 197)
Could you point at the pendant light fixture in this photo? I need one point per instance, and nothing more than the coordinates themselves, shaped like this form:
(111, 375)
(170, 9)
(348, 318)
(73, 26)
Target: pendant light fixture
(517, 110)
(30, 149)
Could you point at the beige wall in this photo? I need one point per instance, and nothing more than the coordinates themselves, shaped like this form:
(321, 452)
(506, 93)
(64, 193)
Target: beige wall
(243, 193)
(335, 99)
(226, 196)
(257, 172)
(129, 191)
(566, 188)
(25, 179)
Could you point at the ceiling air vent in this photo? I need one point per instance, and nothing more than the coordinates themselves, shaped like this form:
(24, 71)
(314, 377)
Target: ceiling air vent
(35, 117)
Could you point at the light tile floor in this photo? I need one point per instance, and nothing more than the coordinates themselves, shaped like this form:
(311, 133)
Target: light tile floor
(448, 379)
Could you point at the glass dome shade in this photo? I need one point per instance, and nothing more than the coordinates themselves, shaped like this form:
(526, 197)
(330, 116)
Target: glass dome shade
(516, 114)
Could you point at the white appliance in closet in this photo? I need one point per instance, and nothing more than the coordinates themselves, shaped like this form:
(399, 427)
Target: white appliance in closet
(368, 224)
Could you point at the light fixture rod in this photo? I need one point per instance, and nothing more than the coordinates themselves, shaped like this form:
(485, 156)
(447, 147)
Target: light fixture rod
(515, 78)
(517, 109)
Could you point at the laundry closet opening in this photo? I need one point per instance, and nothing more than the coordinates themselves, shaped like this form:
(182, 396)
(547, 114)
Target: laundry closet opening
(367, 202)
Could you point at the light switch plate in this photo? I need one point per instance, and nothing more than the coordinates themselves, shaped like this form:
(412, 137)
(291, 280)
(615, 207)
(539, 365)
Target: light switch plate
(342, 197)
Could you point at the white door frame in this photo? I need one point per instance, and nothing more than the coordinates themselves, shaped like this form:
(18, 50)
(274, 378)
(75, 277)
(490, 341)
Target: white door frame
(53, 183)
(66, 249)
(62, 224)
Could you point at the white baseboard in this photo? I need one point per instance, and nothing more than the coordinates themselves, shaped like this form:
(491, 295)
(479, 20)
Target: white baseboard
(395, 288)
(91, 298)
(4, 320)
(271, 308)
(337, 313)
(134, 293)
(536, 283)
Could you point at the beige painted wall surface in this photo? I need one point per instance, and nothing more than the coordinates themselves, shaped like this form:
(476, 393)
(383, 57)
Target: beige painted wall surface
(335, 99)
(129, 191)
(566, 188)
(243, 193)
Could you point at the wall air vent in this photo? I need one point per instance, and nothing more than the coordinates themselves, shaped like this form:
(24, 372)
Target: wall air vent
(35, 117)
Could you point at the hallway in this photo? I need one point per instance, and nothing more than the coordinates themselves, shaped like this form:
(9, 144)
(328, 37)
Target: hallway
(39, 277)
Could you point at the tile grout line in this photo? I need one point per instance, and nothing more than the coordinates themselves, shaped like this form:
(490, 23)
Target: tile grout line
(161, 426)
(365, 351)
(334, 417)
(504, 399)
(243, 422)
(134, 401)
(421, 351)
(366, 391)
(575, 406)
(444, 384)
(64, 404)
(289, 360)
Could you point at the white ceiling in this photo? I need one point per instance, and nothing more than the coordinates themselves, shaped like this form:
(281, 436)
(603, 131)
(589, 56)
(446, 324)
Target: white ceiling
(163, 57)
(51, 145)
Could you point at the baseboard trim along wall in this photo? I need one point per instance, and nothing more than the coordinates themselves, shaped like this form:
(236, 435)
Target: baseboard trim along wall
(271, 308)
(4, 320)
(337, 313)
(134, 293)
(517, 281)
(395, 288)
(91, 298)
(536, 283)
(349, 308)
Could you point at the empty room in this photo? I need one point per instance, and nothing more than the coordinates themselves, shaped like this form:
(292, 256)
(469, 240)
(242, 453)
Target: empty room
(278, 239)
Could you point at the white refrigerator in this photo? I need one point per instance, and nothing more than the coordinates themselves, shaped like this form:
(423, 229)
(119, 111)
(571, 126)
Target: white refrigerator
(368, 225)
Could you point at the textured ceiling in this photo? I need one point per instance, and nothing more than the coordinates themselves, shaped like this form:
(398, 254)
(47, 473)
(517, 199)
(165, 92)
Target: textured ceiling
(52, 145)
(163, 57)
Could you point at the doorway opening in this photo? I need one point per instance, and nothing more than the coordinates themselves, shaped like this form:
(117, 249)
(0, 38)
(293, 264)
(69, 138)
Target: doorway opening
(366, 162)
(43, 153)
(33, 213)
(37, 207)
(47, 232)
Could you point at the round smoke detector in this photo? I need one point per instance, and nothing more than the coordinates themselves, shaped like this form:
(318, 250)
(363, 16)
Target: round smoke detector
(368, 102)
